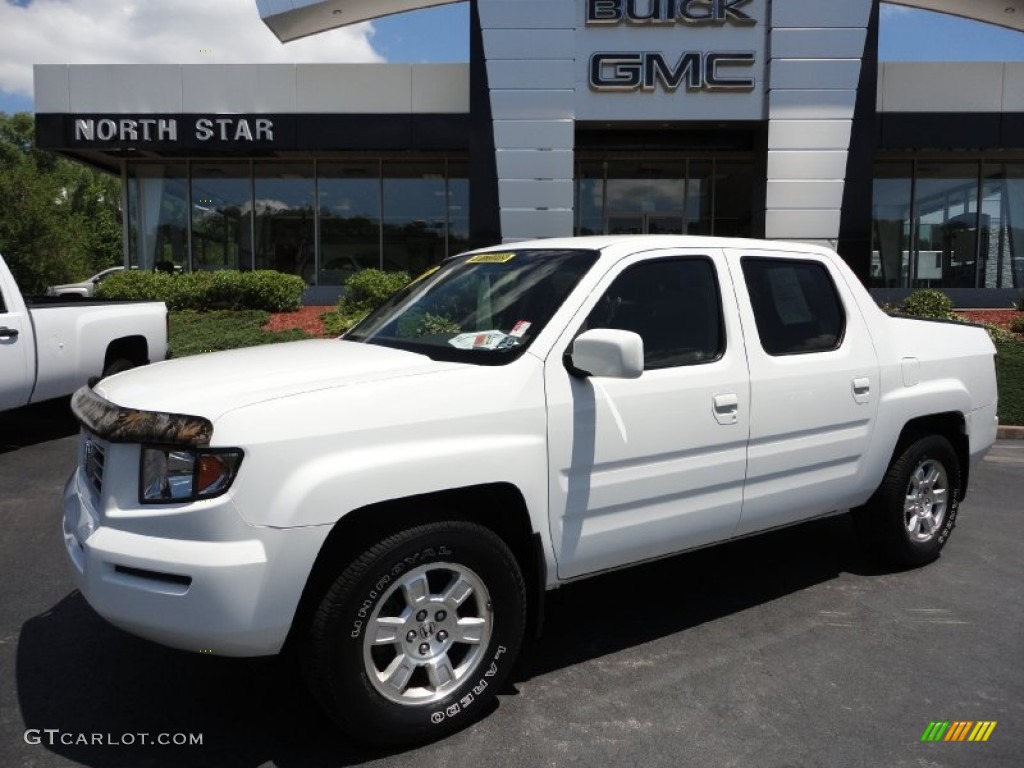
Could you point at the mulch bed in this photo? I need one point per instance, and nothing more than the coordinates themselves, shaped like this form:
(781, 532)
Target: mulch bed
(1000, 317)
(307, 319)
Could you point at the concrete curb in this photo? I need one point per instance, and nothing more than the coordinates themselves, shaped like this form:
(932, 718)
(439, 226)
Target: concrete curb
(1010, 433)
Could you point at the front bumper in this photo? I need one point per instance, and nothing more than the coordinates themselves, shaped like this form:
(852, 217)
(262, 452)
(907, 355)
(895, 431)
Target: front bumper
(233, 592)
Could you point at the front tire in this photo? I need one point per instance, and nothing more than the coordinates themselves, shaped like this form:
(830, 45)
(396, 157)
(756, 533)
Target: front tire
(117, 366)
(912, 514)
(414, 638)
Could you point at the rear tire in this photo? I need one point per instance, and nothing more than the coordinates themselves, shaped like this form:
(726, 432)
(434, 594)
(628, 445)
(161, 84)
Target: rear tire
(413, 639)
(912, 514)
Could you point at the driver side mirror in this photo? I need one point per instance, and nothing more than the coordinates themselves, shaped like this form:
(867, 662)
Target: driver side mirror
(609, 352)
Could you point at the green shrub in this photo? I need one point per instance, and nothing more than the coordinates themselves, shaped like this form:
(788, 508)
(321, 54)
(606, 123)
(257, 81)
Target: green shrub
(929, 303)
(224, 289)
(365, 291)
(1017, 325)
(135, 284)
(370, 288)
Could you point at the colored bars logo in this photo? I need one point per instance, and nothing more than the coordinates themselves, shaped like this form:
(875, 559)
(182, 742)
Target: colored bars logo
(959, 730)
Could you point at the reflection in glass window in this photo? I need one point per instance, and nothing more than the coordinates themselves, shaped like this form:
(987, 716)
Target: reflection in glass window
(645, 196)
(221, 216)
(458, 208)
(285, 229)
(890, 228)
(1002, 216)
(415, 216)
(734, 209)
(158, 216)
(654, 195)
(590, 198)
(349, 206)
(699, 188)
(947, 227)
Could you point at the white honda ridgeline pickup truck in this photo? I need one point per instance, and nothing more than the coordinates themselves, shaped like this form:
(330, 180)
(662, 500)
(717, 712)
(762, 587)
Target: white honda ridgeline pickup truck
(394, 503)
(49, 347)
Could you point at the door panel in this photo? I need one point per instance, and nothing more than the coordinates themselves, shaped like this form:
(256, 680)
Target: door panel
(814, 410)
(645, 467)
(15, 373)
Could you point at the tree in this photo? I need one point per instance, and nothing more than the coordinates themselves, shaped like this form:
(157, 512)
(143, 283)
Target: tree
(60, 221)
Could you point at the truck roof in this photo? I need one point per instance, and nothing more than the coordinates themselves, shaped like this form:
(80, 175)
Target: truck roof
(618, 244)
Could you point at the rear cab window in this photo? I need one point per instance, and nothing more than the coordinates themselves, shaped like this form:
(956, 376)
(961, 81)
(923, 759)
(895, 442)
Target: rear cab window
(796, 306)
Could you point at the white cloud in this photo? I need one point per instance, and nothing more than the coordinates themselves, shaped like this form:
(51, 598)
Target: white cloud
(156, 32)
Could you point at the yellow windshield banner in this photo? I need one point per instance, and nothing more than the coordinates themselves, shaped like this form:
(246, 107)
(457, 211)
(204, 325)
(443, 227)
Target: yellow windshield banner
(491, 258)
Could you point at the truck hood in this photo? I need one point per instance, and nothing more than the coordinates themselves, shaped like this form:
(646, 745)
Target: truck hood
(212, 384)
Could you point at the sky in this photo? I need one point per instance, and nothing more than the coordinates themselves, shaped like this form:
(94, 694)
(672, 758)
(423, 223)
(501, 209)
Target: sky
(230, 31)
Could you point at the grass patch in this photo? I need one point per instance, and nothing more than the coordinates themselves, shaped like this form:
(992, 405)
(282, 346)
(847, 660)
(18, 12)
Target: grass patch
(193, 333)
(1010, 371)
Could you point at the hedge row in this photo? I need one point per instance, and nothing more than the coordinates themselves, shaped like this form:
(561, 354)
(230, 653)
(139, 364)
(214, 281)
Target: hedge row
(224, 289)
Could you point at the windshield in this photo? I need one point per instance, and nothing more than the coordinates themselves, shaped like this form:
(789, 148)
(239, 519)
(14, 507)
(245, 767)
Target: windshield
(480, 308)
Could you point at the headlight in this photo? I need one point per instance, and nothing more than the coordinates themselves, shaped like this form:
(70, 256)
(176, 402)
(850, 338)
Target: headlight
(176, 475)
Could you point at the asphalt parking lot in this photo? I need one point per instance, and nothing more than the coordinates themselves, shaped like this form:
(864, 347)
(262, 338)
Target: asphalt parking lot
(790, 649)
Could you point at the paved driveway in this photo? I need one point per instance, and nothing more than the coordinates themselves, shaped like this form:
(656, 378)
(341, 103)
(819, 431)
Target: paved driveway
(786, 650)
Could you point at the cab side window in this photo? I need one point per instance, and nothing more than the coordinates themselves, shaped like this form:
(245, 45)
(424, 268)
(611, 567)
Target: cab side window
(796, 307)
(675, 307)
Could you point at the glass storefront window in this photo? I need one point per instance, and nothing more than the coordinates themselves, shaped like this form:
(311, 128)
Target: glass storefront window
(947, 227)
(1002, 216)
(415, 216)
(645, 196)
(349, 206)
(158, 216)
(664, 196)
(733, 216)
(890, 226)
(458, 207)
(221, 216)
(285, 229)
(590, 198)
(699, 188)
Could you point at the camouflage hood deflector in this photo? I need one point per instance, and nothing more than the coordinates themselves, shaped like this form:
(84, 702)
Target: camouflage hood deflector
(128, 425)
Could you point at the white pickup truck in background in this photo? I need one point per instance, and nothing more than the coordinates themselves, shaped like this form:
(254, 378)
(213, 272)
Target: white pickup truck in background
(394, 504)
(49, 347)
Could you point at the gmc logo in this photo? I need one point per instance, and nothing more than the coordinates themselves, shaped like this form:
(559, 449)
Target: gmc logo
(668, 12)
(645, 71)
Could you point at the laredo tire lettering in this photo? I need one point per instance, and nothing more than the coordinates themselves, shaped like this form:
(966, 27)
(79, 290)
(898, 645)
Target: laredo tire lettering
(470, 584)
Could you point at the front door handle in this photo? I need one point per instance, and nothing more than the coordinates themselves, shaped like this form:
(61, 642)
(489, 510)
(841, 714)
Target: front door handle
(8, 333)
(726, 408)
(861, 389)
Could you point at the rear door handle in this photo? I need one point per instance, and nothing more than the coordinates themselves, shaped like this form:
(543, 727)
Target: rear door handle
(861, 389)
(726, 407)
(8, 333)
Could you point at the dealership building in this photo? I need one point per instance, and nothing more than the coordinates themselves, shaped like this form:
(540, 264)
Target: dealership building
(754, 118)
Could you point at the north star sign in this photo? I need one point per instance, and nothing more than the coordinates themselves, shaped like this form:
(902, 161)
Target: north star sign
(143, 130)
(646, 70)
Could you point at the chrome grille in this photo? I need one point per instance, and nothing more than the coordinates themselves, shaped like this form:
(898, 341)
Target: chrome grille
(93, 455)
